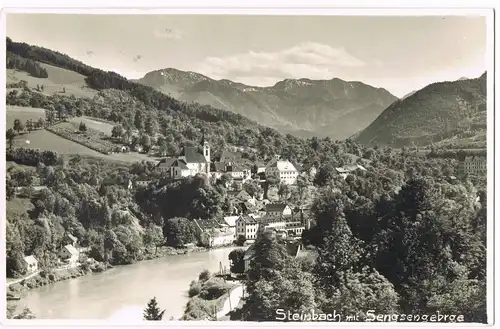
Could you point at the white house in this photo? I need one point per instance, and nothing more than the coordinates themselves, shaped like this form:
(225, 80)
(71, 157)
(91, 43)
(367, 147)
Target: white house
(175, 168)
(247, 226)
(31, 264)
(283, 169)
(278, 210)
(346, 170)
(69, 254)
(216, 233)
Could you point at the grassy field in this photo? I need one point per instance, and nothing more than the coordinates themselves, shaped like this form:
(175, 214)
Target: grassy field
(73, 82)
(23, 114)
(100, 126)
(45, 140)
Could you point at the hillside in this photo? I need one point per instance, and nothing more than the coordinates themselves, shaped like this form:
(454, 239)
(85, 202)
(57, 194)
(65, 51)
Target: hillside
(445, 113)
(303, 107)
(131, 105)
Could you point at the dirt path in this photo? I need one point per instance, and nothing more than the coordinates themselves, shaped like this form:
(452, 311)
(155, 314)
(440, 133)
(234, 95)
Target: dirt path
(234, 299)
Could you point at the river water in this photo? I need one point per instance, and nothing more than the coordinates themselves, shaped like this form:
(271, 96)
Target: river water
(122, 293)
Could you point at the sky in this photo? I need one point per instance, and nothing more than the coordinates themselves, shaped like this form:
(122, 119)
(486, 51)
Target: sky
(398, 53)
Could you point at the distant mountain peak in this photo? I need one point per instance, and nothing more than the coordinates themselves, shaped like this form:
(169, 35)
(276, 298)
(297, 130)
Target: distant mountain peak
(302, 106)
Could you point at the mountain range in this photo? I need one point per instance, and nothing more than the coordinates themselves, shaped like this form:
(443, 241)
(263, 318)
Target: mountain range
(451, 112)
(302, 107)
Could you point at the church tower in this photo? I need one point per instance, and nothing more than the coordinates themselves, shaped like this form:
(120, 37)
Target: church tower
(206, 148)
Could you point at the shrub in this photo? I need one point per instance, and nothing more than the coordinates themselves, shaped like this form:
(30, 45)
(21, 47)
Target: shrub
(213, 290)
(205, 276)
(194, 288)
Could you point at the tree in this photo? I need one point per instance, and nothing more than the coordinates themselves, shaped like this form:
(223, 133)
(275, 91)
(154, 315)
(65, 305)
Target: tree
(10, 135)
(204, 276)
(152, 311)
(50, 116)
(61, 111)
(145, 141)
(179, 231)
(153, 237)
(82, 127)
(283, 191)
(291, 290)
(236, 258)
(29, 125)
(240, 240)
(18, 125)
(253, 188)
(117, 131)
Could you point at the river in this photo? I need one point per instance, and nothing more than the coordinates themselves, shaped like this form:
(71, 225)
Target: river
(122, 293)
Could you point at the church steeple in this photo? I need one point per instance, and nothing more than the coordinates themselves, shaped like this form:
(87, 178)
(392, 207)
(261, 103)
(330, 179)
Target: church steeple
(206, 148)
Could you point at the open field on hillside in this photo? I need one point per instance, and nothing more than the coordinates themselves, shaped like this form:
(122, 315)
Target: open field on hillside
(45, 140)
(23, 114)
(73, 82)
(93, 124)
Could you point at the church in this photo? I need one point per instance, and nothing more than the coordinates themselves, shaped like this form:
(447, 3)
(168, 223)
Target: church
(193, 160)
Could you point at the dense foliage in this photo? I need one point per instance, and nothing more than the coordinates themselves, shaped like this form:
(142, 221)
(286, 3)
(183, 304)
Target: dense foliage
(448, 112)
(400, 238)
(17, 62)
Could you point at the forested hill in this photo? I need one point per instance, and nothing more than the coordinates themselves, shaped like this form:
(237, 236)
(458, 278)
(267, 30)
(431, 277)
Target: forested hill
(450, 112)
(99, 79)
(190, 119)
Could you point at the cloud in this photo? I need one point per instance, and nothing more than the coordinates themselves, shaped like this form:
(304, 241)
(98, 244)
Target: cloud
(166, 33)
(305, 60)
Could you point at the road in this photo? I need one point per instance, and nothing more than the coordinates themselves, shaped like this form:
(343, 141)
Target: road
(23, 278)
(234, 299)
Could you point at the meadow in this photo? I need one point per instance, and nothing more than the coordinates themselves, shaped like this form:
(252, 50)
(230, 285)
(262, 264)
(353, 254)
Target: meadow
(59, 80)
(45, 140)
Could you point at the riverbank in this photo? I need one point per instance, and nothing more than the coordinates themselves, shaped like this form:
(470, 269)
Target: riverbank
(45, 278)
(41, 278)
(212, 298)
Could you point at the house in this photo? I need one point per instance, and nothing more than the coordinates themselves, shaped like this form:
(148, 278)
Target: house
(142, 183)
(472, 165)
(174, 168)
(278, 210)
(295, 228)
(247, 226)
(70, 239)
(31, 264)
(237, 171)
(242, 196)
(346, 170)
(284, 170)
(138, 148)
(213, 233)
(69, 254)
(259, 167)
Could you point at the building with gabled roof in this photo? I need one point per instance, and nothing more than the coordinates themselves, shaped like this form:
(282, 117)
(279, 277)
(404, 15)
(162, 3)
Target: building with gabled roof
(472, 165)
(247, 226)
(212, 233)
(31, 264)
(284, 170)
(278, 209)
(69, 254)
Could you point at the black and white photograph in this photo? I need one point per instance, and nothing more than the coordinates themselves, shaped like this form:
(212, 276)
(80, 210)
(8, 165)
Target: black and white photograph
(296, 166)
